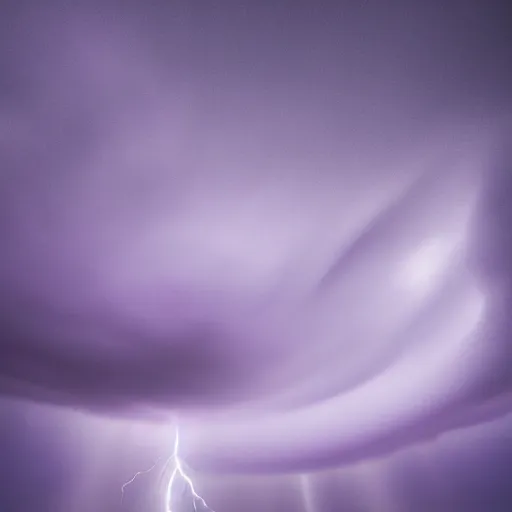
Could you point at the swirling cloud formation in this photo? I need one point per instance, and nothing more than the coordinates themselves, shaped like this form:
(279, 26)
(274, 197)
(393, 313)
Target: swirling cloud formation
(288, 243)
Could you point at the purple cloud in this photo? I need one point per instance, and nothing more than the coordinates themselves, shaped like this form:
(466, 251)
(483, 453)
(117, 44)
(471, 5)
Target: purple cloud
(283, 251)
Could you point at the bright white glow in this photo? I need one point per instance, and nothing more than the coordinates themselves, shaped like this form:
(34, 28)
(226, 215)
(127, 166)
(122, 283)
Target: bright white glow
(427, 264)
(179, 471)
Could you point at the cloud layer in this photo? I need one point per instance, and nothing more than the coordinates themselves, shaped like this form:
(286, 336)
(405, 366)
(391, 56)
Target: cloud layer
(292, 242)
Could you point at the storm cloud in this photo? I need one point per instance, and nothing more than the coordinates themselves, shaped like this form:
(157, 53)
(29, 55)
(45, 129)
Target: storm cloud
(284, 231)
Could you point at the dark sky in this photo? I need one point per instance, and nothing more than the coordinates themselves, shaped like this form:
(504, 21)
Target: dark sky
(283, 226)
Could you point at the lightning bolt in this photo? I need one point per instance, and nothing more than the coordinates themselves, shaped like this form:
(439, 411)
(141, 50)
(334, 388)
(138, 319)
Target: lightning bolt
(139, 473)
(177, 472)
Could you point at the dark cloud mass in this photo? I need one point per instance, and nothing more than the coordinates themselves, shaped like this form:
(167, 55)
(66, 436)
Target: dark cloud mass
(287, 222)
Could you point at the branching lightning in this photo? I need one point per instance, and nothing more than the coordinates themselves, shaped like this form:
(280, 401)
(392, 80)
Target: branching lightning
(139, 473)
(177, 472)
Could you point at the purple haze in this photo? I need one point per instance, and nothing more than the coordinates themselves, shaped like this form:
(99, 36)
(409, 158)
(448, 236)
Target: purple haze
(285, 225)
